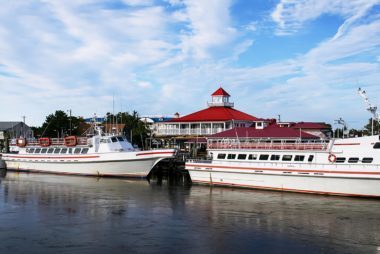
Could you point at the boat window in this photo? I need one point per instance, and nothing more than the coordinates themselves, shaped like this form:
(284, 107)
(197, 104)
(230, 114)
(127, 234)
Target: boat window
(38, 150)
(70, 150)
(340, 159)
(43, 150)
(299, 157)
(221, 156)
(287, 157)
(64, 150)
(84, 150)
(31, 150)
(77, 150)
(104, 140)
(353, 160)
(113, 139)
(50, 150)
(231, 156)
(311, 158)
(263, 157)
(242, 156)
(377, 145)
(252, 157)
(367, 160)
(275, 157)
(120, 138)
(57, 150)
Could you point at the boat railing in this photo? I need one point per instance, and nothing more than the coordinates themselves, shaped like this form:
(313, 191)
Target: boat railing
(248, 145)
(81, 141)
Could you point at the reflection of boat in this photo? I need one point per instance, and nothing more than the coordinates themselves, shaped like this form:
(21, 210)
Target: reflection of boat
(100, 155)
(348, 167)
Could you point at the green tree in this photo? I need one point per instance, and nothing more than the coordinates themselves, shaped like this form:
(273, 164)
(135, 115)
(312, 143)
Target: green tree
(135, 130)
(59, 124)
(368, 128)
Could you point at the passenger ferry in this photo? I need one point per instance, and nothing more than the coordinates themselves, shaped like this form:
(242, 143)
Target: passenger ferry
(346, 167)
(99, 155)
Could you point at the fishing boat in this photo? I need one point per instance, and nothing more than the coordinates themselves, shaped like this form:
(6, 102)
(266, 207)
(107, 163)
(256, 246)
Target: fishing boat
(99, 155)
(347, 167)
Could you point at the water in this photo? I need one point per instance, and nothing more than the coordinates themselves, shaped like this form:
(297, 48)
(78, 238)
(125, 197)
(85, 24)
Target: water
(69, 214)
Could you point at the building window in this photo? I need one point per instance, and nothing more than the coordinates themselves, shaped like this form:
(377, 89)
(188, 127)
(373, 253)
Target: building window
(299, 157)
(340, 159)
(367, 160)
(221, 156)
(242, 156)
(287, 157)
(275, 157)
(264, 157)
(353, 160)
(311, 158)
(231, 156)
(252, 157)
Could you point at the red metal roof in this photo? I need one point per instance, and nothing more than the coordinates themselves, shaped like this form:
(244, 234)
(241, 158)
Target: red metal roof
(310, 125)
(221, 92)
(272, 132)
(215, 114)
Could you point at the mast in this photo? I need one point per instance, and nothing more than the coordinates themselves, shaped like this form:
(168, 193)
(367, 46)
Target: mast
(370, 108)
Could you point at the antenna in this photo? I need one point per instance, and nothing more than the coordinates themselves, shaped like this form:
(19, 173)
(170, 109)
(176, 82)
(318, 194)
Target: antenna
(370, 108)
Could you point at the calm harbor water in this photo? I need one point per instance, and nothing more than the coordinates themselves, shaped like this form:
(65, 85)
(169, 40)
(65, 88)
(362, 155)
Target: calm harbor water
(69, 214)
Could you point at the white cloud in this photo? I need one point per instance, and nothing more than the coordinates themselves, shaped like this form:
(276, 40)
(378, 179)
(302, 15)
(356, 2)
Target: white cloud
(209, 27)
(290, 15)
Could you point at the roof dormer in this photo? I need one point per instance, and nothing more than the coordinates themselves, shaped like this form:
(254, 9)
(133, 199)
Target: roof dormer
(220, 98)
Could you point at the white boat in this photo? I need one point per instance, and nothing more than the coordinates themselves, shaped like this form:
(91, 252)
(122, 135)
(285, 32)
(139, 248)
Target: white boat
(347, 167)
(100, 155)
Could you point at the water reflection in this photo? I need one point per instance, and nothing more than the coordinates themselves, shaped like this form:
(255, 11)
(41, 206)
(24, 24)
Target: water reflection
(48, 213)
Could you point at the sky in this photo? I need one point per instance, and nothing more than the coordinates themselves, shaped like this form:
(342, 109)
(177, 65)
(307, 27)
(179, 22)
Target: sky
(301, 59)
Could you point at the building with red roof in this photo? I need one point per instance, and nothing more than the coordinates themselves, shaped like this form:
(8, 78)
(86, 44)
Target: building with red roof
(219, 116)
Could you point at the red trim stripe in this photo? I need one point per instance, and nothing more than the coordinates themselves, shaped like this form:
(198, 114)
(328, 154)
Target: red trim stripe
(347, 144)
(286, 169)
(285, 189)
(77, 174)
(150, 153)
(50, 157)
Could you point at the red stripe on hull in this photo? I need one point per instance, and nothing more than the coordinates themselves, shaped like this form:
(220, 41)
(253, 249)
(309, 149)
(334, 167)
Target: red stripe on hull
(287, 170)
(51, 157)
(348, 144)
(77, 174)
(284, 189)
(150, 153)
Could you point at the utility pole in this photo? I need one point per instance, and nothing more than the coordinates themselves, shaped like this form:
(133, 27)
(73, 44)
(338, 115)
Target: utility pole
(69, 121)
(23, 126)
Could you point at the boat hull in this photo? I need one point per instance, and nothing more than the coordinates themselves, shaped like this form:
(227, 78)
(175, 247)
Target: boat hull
(132, 164)
(342, 186)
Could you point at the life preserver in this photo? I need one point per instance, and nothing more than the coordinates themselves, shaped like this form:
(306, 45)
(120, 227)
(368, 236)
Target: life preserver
(21, 142)
(44, 142)
(71, 141)
(332, 158)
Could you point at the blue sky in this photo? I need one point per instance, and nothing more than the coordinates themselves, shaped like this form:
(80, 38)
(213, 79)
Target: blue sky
(302, 59)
